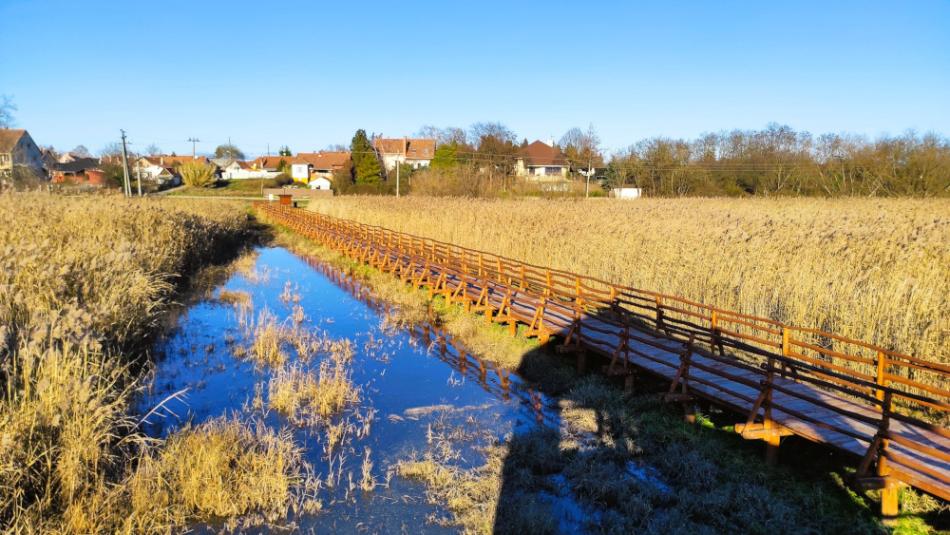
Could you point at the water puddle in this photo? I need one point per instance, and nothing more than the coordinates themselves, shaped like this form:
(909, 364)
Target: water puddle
(410, 380)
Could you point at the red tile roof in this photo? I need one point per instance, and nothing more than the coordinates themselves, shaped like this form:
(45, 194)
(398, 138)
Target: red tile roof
(165, 161)
(412, 149)
(9, 137)
(272, 162)
(539, 153)
(324, 160)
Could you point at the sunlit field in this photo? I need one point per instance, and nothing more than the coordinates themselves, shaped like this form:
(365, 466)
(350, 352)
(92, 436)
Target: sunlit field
(871, 269)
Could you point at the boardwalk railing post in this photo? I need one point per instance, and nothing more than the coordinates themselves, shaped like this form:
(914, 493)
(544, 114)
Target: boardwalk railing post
(785, 350)
(881, 374)
(823, 380)
(889, 494)
(716, 339)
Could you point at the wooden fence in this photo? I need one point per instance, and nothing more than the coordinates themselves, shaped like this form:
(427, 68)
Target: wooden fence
(887, 408)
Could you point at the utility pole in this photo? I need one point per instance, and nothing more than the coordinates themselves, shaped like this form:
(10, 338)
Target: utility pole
(397, 179)
(138, 176)
(589, 173)
(125, 167)
(194, 141)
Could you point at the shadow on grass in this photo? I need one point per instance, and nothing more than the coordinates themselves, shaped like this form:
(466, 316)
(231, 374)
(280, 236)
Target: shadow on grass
(605, 461)
(626, 462)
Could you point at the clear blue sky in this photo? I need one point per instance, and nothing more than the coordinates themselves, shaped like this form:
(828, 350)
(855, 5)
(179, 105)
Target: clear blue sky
(307, 75)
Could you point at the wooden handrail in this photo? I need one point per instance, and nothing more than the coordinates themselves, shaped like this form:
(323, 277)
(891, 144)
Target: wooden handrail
(888, 370)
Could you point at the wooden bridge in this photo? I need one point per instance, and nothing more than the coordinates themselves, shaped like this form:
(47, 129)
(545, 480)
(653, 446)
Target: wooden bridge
(888, 409)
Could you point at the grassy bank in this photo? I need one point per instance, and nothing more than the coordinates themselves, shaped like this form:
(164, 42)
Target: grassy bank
(874, 270)
(85, 283)
(629, 463)
(250, 188)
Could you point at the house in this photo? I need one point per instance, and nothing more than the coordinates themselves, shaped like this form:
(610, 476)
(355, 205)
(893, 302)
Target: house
(321, 166)
(18, 150)
(542, 162)
(163, 169)
(231, 169)
(79, 171)
(152, 167)
(394, 151)
(272, 163)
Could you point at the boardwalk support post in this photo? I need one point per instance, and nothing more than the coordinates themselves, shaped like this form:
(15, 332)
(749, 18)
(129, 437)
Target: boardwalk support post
(890, 488)
(681, 380)
(804, 365)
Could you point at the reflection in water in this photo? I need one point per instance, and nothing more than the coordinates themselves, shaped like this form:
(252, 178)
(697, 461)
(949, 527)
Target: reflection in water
(401, 382)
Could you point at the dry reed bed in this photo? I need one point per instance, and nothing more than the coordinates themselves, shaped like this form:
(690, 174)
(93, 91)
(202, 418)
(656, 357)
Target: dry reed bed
(84, 281)
(473, 494)
(874, 270)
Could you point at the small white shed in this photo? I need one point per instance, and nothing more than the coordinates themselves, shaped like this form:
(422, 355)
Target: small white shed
(626, 193)
(320, 183)
(300, 171)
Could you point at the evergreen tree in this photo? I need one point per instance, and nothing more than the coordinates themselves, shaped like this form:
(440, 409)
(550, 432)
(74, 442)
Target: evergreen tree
(366, 168)
(446, 156)
(284, 151)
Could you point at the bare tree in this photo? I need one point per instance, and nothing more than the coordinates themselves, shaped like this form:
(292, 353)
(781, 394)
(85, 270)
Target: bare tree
(81, 151)
(111, 149)
(444, 136)
(153, 150)
(7, 107)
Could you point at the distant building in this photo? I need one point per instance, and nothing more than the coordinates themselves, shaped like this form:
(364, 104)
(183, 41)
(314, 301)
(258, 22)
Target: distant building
(163, 169)
(322, 166)
(231, 169)
(394, 151)
(626, 193)
(272, 163)
(79, 171)
(542, 162)
(18, 150)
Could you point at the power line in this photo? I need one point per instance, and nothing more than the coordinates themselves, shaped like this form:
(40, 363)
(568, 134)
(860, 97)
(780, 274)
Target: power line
(194, 142)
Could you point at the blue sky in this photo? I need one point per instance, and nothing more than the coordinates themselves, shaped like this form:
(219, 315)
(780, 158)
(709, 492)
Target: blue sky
(308, 74)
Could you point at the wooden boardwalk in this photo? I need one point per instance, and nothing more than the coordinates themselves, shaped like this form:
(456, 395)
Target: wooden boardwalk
(853, 396)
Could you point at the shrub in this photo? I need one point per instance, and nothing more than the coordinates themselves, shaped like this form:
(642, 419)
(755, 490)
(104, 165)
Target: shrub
(197, 174)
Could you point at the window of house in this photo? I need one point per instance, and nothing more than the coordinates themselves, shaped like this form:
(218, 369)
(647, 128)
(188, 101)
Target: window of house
(552, 171)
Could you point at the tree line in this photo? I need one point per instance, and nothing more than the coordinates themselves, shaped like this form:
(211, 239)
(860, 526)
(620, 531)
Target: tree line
(776, 160)
(780, 161)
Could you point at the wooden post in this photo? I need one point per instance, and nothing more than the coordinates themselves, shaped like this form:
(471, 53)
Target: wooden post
(785, 349)
(889, 494)
(881, 371)
(714, 328)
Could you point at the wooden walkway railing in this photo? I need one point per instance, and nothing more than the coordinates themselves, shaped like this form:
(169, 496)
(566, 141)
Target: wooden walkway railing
(878, 404)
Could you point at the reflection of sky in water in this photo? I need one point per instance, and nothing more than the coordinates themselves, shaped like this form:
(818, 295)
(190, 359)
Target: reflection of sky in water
(398, 371)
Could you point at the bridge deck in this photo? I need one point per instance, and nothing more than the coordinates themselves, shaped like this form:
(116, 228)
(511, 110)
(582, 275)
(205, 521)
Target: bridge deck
(781, 393)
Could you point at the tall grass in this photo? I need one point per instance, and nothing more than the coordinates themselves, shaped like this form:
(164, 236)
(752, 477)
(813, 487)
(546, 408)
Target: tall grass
(874, 270)
(84, 282)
